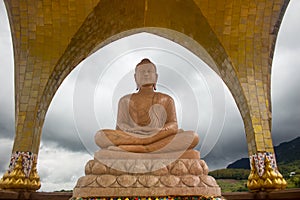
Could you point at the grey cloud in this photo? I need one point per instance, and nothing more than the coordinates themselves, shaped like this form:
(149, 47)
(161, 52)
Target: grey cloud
(6, 127)
(6, 78)
(285, 83)
(63, 169)
(65, 136)
(5, 149)
(59, 126)
(289, 30)
(231, 144)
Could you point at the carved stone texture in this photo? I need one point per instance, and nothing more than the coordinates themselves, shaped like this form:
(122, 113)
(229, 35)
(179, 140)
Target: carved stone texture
(183, 176)
(156, 167)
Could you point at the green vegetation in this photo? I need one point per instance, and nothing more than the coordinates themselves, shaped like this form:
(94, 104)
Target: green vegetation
(287, 168)
(293, 182)
(235, 180)
(231, 180)
(237, 174)
(232, 185)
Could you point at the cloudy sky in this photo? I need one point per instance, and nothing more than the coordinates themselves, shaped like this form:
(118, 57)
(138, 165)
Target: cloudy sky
(87, 100)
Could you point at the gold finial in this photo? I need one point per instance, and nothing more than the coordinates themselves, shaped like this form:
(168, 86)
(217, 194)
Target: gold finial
(271, 179)
(253, 182)
(17, 179)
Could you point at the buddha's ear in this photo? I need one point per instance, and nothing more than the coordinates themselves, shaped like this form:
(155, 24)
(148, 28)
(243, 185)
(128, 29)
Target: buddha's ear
(156, 77)
(137, 86)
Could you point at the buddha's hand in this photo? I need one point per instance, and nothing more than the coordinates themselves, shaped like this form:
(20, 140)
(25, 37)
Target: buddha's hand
(144, 130)
(125, 127)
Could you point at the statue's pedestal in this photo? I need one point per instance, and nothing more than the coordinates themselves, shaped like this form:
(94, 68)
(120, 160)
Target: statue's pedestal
(149, 177)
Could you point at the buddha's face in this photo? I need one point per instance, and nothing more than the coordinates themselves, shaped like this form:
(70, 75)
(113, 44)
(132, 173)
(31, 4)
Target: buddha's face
(145, 74)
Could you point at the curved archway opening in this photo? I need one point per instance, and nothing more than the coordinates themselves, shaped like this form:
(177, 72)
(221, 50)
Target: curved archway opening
(7, 100)
(182, 75)
(285, 78)
(87, 101)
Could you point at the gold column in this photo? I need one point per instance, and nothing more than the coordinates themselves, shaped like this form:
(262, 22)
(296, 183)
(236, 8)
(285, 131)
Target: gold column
(41, 31)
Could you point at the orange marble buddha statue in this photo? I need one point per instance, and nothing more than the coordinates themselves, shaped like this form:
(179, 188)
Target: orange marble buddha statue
(147, 155)
(146, 120)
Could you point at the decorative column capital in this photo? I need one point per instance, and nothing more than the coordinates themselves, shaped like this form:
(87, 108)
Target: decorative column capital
(264, 174)
(22, 173)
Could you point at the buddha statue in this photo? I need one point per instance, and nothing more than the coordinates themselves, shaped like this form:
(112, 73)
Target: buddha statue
(147, 155)
(146, 120)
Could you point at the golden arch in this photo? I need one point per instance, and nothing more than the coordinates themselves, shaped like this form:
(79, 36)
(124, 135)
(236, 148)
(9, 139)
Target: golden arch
(50, 38)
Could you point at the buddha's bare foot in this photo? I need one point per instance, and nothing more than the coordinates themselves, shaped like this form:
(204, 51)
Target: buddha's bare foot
(134, 148)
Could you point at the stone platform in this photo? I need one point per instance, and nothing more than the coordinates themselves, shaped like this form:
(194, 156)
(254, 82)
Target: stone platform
(146, 177)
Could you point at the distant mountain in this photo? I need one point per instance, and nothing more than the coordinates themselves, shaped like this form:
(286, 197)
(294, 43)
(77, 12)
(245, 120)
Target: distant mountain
(288, 151)
(285, 152)
(242, 163)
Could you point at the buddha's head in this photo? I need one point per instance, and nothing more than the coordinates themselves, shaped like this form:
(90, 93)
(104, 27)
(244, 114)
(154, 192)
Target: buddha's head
(145, 74)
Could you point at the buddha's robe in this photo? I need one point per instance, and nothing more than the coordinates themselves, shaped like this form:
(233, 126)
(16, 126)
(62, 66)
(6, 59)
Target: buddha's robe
(146, 122)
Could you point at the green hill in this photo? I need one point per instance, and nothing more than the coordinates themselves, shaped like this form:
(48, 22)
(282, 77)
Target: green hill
(237, 174)
(288, 151)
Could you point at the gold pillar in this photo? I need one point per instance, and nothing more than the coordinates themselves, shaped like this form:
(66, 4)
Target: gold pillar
(41, 31)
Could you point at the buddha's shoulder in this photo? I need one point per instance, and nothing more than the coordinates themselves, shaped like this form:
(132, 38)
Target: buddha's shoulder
(125, 98)
(164, 96)
(158, 95)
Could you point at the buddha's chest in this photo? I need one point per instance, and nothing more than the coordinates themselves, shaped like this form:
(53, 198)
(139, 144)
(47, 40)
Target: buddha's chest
(139, 108)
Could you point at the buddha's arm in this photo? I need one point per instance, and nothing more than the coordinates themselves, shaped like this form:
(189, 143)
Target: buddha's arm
(123, 120)
(171, 121)
(170, 126)
(142, 135)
